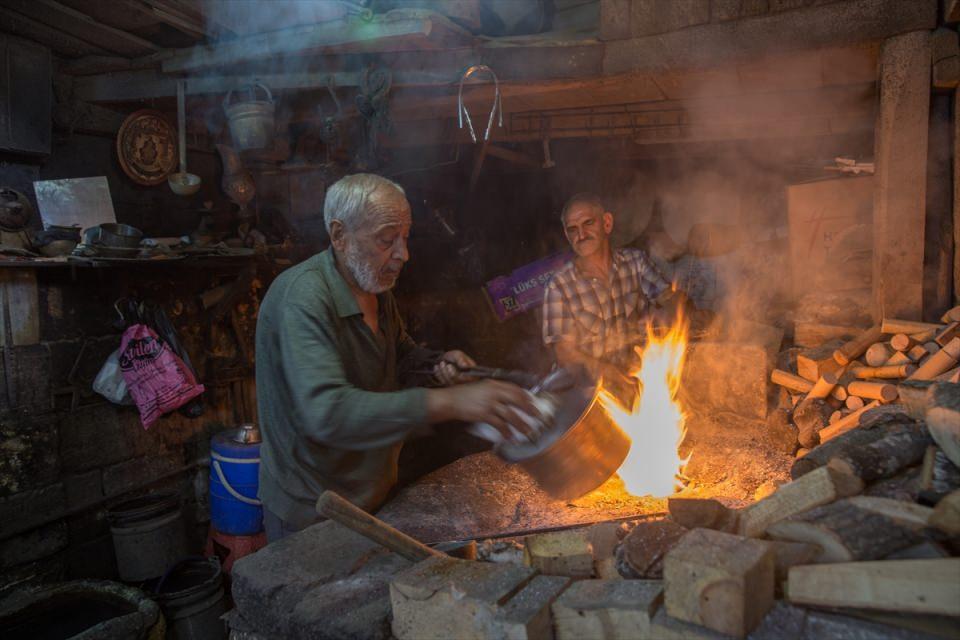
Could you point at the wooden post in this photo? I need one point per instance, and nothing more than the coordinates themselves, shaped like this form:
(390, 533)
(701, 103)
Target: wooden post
(899, 206)
(938, 244)
(956, 197)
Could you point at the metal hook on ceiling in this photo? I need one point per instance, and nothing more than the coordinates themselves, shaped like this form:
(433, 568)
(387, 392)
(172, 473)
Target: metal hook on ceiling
(494, 109)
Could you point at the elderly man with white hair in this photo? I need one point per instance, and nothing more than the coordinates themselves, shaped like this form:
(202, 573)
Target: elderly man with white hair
(330, 342)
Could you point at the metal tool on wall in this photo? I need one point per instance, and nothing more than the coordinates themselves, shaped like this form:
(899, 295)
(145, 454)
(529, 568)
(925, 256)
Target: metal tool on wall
(463, 114)
(182, 182)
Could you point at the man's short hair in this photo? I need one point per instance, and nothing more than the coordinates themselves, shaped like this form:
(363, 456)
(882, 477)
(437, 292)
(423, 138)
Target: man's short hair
(585, 197)
(347, 199)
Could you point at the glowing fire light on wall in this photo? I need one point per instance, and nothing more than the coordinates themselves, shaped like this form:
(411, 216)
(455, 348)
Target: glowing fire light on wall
(655, 424)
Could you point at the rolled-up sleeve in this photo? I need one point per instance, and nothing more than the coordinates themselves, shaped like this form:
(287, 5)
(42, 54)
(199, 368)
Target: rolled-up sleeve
(557, 321)
(332, 411)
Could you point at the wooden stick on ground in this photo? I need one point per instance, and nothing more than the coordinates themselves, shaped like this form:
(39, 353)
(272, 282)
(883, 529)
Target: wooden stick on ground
(939, 362)
(796, 383)
(890, 372)
(892, 325)
(855, 348)
(847, 423)
(901, 342)
(873, 390)
(877, 354)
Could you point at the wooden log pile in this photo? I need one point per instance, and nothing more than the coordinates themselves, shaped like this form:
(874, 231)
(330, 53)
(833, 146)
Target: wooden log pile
(894, 361)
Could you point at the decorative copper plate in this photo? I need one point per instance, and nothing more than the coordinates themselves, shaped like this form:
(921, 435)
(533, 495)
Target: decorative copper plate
(147, 147)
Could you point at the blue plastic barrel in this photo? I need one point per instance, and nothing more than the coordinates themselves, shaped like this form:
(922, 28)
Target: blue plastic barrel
(234, 467)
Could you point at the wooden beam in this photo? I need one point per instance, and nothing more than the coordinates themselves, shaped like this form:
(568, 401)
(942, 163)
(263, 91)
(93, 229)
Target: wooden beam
(17, 24)
(900, 182)
(712, 45)
(405, 32)
(516, 157)
(169, 15)
(82, 26)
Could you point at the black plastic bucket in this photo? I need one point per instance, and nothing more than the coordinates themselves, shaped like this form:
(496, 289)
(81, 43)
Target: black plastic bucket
(191, 596)
(80, 610)
(148, 536)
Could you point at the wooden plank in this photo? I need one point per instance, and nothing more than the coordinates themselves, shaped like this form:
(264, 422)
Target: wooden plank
(396, 31)
(909, 586)
(835, 24)
(900, 181)
(816, 488)
(19, 302)
(82, 26)
(16, 23)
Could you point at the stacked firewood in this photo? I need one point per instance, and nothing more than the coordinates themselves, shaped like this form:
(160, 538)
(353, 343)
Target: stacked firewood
(869, 527)
(835, 385)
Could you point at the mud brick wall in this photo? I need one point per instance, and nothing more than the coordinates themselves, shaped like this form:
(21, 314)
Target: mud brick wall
(67, 453)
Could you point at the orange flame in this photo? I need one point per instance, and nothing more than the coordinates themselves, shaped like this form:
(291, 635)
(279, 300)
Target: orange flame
(655, 424)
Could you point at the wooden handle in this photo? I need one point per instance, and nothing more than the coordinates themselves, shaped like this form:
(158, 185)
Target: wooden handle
(796, 383)
(901, 342)
(888, 371)
(848, 422)
(939, 362)
(855, 348)
(873, 390)
(877, 354)
(332, 506)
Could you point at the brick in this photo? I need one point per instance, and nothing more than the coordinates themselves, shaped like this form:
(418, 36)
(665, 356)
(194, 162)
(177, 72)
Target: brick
(88, 525)
(31, 387)
(22, 511)
(34, 545)
(527, 615)
(449, 598)
(95, 437)
(124, 476)
(560, 553)
(607, 609)
(648, 17)
(721, 581)
(83, 488)
(29, 453)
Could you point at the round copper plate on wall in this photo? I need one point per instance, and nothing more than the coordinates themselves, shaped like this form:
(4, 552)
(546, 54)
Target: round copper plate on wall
(147, 147)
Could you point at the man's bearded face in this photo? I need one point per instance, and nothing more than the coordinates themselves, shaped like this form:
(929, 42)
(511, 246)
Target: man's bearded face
(587, 228)
(375, 253)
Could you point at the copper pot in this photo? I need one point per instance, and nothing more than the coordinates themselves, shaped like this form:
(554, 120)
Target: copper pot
(582, 450)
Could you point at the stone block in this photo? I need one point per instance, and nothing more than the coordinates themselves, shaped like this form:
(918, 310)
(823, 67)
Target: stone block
(33, 545)
(330, 560)
(22, 511)
(83, 488)
(93, 437)
(134, 473)
(614, 19)
(649, 17)
(450, 598)
(616, 609)
(527, 615)
(721, 581)
(727, 376)
(642, 552)
(560, 553)
(31, 385)
(665, 627)
(29, 452)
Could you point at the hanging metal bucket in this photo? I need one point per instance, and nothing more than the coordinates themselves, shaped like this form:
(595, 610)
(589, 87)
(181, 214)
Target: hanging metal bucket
(251, 122)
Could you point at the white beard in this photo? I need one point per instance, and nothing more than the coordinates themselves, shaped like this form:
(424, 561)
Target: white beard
(363, 274)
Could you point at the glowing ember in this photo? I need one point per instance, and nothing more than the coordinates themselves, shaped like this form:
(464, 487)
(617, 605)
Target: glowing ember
(655, 424)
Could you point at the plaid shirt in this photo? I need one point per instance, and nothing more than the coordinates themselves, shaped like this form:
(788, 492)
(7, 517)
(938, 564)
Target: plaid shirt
(602, 318)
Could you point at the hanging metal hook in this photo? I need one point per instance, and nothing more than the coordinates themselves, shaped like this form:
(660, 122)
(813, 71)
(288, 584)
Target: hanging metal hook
(497, 102)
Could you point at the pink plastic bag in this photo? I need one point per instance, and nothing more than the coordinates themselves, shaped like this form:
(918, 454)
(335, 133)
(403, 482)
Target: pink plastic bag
(158, 380)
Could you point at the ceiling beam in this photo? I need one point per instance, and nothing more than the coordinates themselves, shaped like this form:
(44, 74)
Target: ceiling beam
(395, 31)
(169, 15)
(821, 25)
(15, 23)
(83, 26)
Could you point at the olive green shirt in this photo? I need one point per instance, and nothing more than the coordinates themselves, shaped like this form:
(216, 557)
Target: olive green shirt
(331, 411)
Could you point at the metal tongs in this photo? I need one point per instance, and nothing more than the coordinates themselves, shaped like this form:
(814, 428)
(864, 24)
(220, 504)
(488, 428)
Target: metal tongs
(557, 380)
(497, 102)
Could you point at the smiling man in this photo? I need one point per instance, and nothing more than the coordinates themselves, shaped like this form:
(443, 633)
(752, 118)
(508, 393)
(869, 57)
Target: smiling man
(596, 307)
(330, 352)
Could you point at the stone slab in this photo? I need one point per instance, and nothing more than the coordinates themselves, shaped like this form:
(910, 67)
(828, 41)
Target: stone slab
(607, 609)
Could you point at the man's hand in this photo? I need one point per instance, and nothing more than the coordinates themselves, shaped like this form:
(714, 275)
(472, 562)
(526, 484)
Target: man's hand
(447, 373)
(499, 404)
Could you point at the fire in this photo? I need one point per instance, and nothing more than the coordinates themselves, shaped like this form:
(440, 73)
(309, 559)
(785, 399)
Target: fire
(655, 424)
